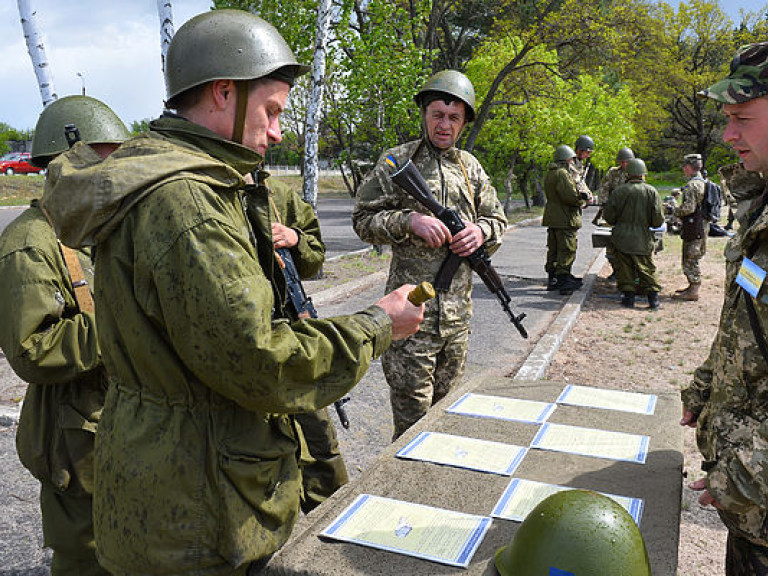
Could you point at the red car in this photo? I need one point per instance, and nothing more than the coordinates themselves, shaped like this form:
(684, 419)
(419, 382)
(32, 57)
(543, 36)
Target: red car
(17, 163)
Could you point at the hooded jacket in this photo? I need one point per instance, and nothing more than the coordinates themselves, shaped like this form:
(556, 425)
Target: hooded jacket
(632, 209)
(563, 208)
(197, 461)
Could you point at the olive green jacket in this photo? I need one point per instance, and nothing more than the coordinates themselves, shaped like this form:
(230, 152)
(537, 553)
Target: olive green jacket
(563, 208)
(382, 216)
(53, 346)
(633, 208)
(197, 462)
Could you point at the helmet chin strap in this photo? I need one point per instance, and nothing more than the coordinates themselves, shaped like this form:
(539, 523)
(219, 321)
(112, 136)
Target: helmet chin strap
(242, 107)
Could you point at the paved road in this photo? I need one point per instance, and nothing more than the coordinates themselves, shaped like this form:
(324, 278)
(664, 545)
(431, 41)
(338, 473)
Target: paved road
(494, 343)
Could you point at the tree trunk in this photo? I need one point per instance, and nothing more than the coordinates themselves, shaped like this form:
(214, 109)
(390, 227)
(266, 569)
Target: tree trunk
(37, 51)
(312, 130)
(165, 13)
(508, 185)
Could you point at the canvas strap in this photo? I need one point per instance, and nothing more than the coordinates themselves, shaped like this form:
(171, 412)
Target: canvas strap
(79, 283)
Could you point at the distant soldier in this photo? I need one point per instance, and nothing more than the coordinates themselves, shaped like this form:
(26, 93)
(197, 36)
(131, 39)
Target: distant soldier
(693, 232)
(581, 169)
(633, 209)
(562, 217)
(740, 187)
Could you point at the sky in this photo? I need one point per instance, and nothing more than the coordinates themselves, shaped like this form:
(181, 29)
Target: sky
(115, 46)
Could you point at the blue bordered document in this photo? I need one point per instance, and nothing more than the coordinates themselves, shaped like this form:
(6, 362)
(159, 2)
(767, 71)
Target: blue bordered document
(463, 452)
(608, 399)
(411, 529)
(750, 277)
(592, 442)
(484, 406)
(522, 496)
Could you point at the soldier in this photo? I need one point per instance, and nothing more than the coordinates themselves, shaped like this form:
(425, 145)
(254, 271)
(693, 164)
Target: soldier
(728, 398)
(633, 209)
(422, 369)
(582, 170)
(693, 232)
(48, 333)
(740, 187)
(562, 217)
(197, 468)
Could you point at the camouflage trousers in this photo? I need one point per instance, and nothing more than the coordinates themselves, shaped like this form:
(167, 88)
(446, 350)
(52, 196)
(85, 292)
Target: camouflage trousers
(635, 267)
(561, 250)
(322, 471)
(68, 531)
(693, 251)
(743, 558)
(420, 371)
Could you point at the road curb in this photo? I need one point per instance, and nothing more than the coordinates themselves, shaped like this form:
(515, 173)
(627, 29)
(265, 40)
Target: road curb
(9, 415)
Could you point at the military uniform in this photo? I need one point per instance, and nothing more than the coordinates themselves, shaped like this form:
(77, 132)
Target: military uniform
(322, 468)
(579, 173)
(53, 345)
(196, 461)
(562, 217)
(740, 188)
(420, 370)
(615, 177)
(693, 232)
(632, 209)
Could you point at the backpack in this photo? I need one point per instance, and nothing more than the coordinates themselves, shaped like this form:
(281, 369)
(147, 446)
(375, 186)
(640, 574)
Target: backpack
(712, 203)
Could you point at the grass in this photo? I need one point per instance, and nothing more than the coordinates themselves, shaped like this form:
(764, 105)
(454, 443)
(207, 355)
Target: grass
(19, 189)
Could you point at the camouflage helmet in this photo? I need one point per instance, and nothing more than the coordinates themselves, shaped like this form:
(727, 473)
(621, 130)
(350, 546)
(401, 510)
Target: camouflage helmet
(584, 143)
(636, 167)
(227, 45)
(94, 120)
(576, 532)
(453, 83)
(748, 78)
(624, 154)
(563, 153)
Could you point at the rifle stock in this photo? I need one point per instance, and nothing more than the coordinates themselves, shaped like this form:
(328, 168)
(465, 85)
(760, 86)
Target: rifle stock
(410, 179)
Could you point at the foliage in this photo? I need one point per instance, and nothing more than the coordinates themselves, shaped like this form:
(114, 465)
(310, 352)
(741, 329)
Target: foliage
(139, 126)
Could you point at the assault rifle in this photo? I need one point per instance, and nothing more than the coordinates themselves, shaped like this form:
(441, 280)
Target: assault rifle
(303, 307)
(410, 179)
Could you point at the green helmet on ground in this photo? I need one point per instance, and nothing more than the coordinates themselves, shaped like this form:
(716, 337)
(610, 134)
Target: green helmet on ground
(575, 532)
(451, 82)
(624, 154)
(636, 167)
(584, 143)
(563, 153)
(94, 120)
(227, 45)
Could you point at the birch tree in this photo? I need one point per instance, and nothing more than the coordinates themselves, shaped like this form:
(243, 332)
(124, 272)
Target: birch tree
(36, 49)
(165, 13)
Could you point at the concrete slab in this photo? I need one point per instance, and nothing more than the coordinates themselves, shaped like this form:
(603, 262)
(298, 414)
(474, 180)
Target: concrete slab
(657, 482)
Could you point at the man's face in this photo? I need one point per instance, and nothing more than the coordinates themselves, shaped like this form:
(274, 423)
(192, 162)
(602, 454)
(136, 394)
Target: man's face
(583, 154)
(747, 132)
(444, 123)
(688, 170)
(266, 101)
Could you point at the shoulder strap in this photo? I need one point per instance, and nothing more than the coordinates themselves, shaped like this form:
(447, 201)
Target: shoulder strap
(470, 190)
(79, 283)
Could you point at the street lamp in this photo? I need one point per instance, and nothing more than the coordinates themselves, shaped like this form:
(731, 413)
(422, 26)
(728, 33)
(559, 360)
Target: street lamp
(82, 79)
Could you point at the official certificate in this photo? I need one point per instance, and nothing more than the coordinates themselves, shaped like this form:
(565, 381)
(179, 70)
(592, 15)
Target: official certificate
(592, 442)
(463, 452)
(608, 399)
(415, 530)
(522, 496)
(484, 406)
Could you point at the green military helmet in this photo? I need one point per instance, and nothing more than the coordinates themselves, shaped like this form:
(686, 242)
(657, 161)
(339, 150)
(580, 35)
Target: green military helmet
(563, 153)
(227, 45)
(94, 120)
(575, 532)
(453, 83)
(624, 154)
(636, 167)
(584, 143)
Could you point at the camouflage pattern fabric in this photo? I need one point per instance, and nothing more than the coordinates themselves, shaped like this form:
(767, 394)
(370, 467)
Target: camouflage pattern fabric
(729, 393)
(578, 172)
(693, 250)
(742, 558)
(692, 253)
(420, 371)
(615, 177)
(748, 78)
(561, 250)
(740, 187)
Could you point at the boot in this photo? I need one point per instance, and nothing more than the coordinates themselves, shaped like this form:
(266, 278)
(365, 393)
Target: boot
(628, 299)
(551, 281)
(692, 295)
(683, 290)
(565, 285)
(576, 281)
(653, 300)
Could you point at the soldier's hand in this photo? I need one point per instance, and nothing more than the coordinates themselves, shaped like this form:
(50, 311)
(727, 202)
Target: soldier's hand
(689, 418)
(405, 316)
(430, 229)
(284, 237)
(705, 498)
(468, 240)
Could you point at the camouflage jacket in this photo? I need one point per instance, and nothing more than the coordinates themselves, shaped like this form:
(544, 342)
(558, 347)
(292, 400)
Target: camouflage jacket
(729, 393)
(693, 195)
(382, 216)
(563, 208)
(633, 209)
(53, 346)
(740, 187)
(615, 177)
(579, 172)
(197, 461)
